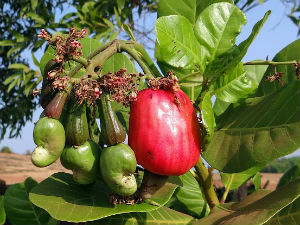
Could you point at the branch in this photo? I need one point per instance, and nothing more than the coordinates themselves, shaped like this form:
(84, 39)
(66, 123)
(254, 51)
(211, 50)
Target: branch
(227, 188)
(205, 181)
(267, 62)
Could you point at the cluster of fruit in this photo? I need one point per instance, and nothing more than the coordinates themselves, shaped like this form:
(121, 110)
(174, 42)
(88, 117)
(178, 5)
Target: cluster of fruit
(164, 135)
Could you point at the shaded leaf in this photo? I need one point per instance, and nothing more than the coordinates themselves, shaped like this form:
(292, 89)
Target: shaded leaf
(235, 180)
(289, 175)
(177, 43)
(190, 198)
(207, 114)
(217, 28)
(220, 106)
(255, 209)
(257, 181)
(19, 210)
(66, 200)
(162, 215)
(256, 131)
(288, 53)
(290, 214)
(2, 210)
(7, 43)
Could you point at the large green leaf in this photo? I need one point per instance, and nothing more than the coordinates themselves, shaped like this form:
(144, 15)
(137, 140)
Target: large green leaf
(234, 180)
(190, 198)
(2, 210)
(217, 28)
(255, 209)
(234, 85)
(289, 53)
(186, 8)
(290, 214)
(178, 45)
(190, 9)
(19, 210)
(68, 201)
(233, 56)
(162, 215)
(255, 72)
(256, 131)
(220, 106)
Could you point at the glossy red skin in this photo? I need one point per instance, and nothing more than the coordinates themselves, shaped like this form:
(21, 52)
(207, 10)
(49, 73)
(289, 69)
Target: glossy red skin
(165, 136)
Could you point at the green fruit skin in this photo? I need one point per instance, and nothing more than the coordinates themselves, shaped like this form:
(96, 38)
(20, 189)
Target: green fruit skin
(117, 165)
(112, 131)
(49, 136)
(92, 124)
(77, 131)
(83, 161)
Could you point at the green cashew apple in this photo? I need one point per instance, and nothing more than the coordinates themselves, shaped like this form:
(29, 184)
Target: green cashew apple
(76, 125)
(83, 161)
(117, 165)
(112, 131)
(49, 136)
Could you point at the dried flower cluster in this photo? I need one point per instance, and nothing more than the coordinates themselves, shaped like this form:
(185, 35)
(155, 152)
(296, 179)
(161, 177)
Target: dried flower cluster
(66, 47)
(276, 76)
(297, 65)
(170, 81)
(123, 87)
(87, 89)
(61, 83)
(115, 199)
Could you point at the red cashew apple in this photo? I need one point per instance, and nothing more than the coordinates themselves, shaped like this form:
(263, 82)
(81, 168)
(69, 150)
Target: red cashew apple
(164, 132)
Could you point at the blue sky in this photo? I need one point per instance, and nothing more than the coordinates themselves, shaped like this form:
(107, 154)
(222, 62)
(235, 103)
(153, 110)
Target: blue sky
(278, 32)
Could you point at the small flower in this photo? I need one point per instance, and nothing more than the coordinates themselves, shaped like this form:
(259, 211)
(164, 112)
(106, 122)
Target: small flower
(76, 44)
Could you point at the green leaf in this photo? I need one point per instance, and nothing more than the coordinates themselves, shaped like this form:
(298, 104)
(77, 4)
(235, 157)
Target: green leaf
(288, 53)
(117, 62)
(220, 106)
(12, 84)
(34, 4)
(186, 8)
(162, 215)
(38, 19)
(235, 180)
(190, 197)
(19, 66)
(255, 209)
(190, 9)
(257, 181)
(7, 43)
(207, 114)
(256, 131)
(2, 210)
(177, 43)
(234, 85)
(19, 210)
(289, 175)
(201, 5)
(66, 200)
(232, 57)
(35, 61)
(217, 28)
(127, 29)
(12, 50)
(290, 214)
(255, 72)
